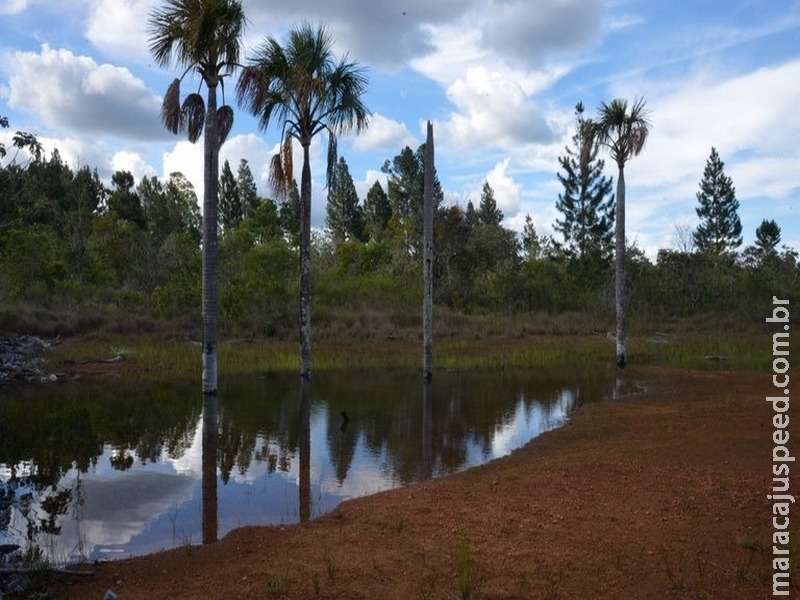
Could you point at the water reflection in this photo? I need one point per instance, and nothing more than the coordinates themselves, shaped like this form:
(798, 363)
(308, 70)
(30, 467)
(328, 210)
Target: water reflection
(209, 476)
(98, 469)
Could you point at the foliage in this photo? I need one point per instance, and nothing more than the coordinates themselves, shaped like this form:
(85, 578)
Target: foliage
(586, 204)
(307, 91)
(71, 261)
(345, 216)
(720, 229)
(623, 132)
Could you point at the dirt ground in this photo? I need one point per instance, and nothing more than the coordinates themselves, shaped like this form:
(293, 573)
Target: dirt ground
(657, 495)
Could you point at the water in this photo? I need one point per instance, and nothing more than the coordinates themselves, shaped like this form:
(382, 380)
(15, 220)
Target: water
(112, 467)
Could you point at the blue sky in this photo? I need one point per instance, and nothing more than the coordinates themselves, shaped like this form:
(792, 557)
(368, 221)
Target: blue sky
(499, 79)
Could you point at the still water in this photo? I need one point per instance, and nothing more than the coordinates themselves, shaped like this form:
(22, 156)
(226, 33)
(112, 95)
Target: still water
(101, 468)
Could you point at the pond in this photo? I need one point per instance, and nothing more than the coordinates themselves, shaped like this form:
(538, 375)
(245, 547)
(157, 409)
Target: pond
(108, 467)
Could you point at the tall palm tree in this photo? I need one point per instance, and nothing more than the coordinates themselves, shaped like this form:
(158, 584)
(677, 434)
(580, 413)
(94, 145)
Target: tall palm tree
(623, 132)
(306, 90)
(202, 36)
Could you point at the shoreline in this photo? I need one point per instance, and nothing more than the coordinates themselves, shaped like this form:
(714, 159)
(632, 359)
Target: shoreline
(645, 496)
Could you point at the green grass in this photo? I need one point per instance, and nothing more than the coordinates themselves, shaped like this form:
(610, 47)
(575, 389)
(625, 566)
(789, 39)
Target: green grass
(180, 356)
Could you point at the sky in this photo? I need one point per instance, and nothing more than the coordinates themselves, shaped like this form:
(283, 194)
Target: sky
(499, 80)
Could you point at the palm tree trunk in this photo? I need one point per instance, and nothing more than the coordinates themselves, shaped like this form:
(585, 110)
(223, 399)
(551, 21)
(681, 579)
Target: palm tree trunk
(210, 299)
(305, 266)
(209, 467)
(427, 234)
(620, 287)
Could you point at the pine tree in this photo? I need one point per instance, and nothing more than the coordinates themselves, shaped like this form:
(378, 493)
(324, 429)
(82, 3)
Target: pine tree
(720, 230)
(488, 213)
(289, 214)
(587, 204)
(345, 217)
(377, 212)
(531, 244)
(230, 202)
(764, 252)
(246, 185)
(768, 236)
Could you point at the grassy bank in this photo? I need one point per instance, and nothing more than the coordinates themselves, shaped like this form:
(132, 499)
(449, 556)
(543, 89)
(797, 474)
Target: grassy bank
(159, 354)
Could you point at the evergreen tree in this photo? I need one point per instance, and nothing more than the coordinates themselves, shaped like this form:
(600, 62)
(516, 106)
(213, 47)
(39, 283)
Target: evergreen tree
(289, 214)
(488, 213)
(248, 192)
(345, 217)
(471, 219)
(230, 202)
(531, 244)
(124, 201)
(405, 187)
(587, 204)
(720, 230)
(768, 236)
(377, 212)
(764, 252)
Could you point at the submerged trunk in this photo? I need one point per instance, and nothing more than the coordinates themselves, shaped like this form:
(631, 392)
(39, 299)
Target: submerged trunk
(427, 235)
(210, 300)
(305, 266)
(620, 287)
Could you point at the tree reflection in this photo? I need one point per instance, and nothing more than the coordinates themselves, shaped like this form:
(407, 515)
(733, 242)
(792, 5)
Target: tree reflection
(209, 467)
(304, 481)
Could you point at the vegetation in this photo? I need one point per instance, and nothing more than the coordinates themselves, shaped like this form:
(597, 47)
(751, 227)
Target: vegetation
(624, 134)
(720, 230)
(204, 37)
(307, 91)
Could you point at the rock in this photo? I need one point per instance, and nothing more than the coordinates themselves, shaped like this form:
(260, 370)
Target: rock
(20, 358)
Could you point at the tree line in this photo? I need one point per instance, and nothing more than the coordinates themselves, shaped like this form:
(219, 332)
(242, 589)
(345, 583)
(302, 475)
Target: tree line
(134, 248)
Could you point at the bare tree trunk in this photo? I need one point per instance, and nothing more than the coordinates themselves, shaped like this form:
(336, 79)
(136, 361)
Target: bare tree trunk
(305, 266)
(620, 264)
(210, 299)
(427, 235)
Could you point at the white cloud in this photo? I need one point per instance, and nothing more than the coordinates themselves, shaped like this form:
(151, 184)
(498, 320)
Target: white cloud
(507, 192)
(384, 134)
(119, 27)
(494, 111)
(132, 162)
(13, 7)
(74, 93)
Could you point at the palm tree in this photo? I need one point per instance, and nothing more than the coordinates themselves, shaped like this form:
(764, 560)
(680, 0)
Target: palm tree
(203, 36)
(624, 132)
(306, 90)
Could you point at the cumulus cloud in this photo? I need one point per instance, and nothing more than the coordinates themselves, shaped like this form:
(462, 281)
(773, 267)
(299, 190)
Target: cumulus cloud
(119, 27)
(132, 162)
(492, 111)
(76, 94)
(526, 33)
(507, 192)
(384, 35)
(385, 134)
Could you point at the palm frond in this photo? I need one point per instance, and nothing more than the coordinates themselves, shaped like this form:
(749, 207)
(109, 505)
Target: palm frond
(193, 114)
(171, 107)
(287, 159)
(224, 122)
(277, 178)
